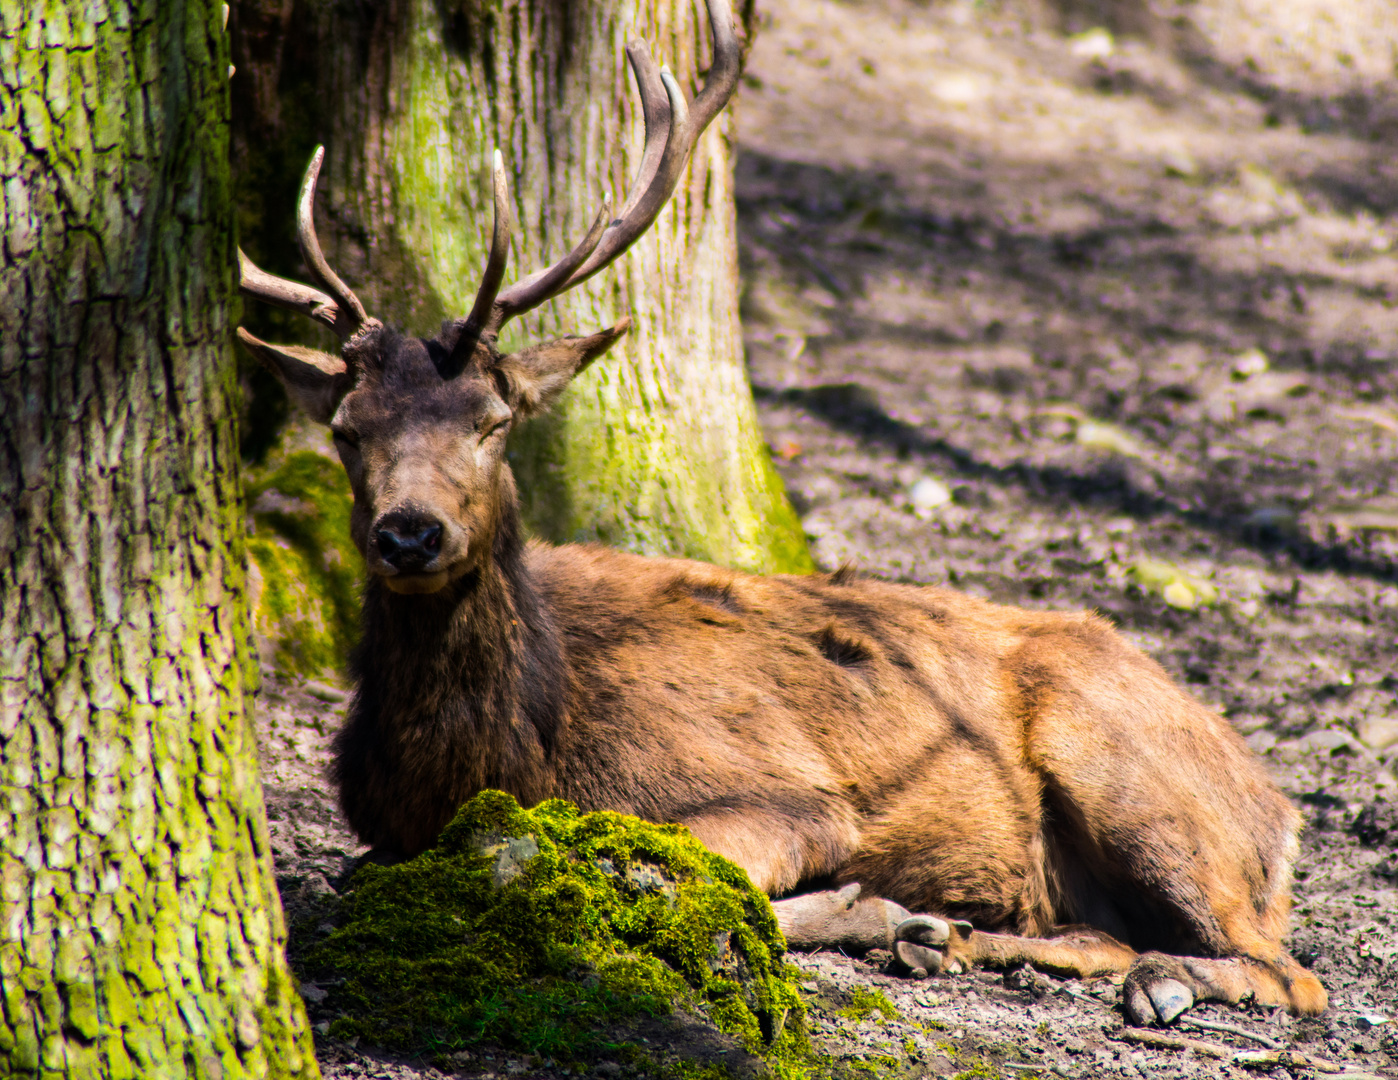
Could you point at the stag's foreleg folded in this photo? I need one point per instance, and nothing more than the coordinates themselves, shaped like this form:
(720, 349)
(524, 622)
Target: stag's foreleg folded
(928, 944)
(843, 919)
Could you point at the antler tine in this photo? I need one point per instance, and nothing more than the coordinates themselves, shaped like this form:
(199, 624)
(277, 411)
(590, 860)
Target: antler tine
(499, 249)
(348, 303)
(528, 293)
(719, 86)
(291, 295)
(655, 111)
(672, 129)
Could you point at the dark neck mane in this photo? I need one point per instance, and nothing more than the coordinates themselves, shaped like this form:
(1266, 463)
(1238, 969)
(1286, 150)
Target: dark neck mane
(457, 691)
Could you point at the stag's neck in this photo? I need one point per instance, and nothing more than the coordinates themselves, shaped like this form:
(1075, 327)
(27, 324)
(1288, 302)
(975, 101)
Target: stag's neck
(458, 691)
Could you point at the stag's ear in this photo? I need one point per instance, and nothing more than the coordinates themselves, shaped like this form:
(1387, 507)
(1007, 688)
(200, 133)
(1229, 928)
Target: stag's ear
(314, 380)
(535, 376)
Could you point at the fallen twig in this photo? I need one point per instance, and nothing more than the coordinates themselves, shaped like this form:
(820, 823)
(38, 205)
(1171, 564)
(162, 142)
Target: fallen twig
(1230, 1029)
(1292, 1059)
(1247, 1059)
(1170, 1042)
(1081, 996)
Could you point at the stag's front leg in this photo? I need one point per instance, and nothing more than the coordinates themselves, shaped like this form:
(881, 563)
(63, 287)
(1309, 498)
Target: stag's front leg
(925, 945)
(843, 919)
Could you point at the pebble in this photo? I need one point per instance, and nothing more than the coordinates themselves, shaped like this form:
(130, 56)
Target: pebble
(929, 493)
(1099, 436)
(1378, 733)
(1250, 363)
(325, 692)
(1094, 44)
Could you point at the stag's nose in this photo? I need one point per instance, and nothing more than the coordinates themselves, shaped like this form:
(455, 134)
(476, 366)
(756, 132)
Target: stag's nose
(408, 542)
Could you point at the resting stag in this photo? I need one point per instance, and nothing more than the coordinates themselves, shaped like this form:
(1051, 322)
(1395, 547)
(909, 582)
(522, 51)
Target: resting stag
(899, 767)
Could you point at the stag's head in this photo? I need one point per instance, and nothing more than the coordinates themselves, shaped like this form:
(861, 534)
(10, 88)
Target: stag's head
(420, 424)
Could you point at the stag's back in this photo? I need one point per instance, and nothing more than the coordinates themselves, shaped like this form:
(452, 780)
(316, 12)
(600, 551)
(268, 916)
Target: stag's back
(835, 706)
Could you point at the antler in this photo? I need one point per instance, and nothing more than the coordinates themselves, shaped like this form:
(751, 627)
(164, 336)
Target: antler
(672, 129)
(341, 310)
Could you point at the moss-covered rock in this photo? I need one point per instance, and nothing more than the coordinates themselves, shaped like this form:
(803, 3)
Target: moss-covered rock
(307, 570)
(538, 930)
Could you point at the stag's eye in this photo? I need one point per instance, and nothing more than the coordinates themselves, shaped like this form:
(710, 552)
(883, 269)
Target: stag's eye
(493, 427)
(345, 439)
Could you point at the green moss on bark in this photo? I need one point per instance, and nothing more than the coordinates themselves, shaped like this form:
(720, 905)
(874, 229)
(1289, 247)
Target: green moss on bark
(140, 929)
(308, 569)
(536, 929)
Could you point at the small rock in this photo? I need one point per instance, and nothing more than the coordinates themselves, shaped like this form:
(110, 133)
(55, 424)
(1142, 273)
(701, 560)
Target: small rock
(1094, 44)
(1180, 162)
(1250, 363)
(325, 692)
(1332, 740)
(1179, 595)
(1098, 436)
(313, 993)
(648, 878)
(1365, 1021)
(929, 493)
(1178, 589)
(1378, 733)
(511, 853)
(607, 1069)
(1261, 741)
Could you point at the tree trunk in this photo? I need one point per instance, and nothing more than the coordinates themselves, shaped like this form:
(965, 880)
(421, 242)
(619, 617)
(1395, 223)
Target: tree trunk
(656, 448)
(140, 930)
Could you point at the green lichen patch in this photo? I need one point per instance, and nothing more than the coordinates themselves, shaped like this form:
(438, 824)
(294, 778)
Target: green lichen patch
(307, 608)
(480, 939)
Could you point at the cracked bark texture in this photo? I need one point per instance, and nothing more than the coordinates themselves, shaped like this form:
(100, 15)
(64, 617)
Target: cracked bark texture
(140, 929)
(656, 448)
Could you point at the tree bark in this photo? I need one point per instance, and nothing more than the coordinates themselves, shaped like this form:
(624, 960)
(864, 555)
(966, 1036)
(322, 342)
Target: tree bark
(657, 447)
(140, 929)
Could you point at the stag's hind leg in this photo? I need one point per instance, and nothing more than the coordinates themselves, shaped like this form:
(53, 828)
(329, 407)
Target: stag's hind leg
(1158, 988)
(1156, 811)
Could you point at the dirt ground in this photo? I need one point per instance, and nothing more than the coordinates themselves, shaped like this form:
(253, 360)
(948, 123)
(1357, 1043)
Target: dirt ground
(1087, 307)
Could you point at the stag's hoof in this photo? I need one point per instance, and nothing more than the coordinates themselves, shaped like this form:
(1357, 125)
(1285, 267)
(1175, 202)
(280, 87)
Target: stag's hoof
(1157, 990)
(923, 945)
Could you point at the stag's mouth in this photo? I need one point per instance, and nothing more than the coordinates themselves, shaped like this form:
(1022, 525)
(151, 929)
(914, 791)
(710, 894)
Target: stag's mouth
(417, 583)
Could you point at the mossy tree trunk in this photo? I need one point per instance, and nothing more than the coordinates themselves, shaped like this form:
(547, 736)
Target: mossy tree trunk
(656, 448)
(140, 930)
